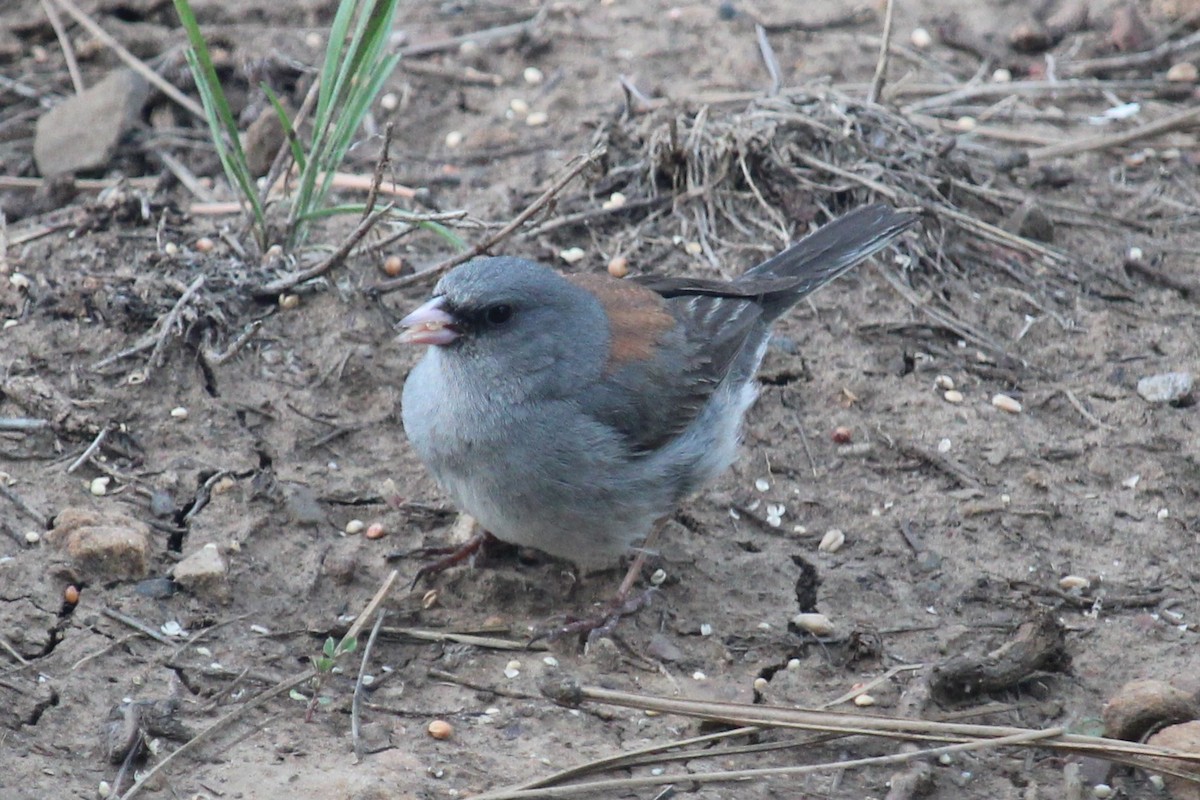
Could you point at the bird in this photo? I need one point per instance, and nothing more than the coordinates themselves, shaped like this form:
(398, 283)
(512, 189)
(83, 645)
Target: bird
(572, 413)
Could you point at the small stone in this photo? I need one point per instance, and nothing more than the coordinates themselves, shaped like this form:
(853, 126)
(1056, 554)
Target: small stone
(658, 577)
(1169, 387)
(393, 265)
(440, 729)
(793, 664)
(99, 486)
(1131, 482)
(965, 124)
(920, 38)
(355, 526)
(1073, 583)
(1005, 403)
(1162, 514)
(699, 676)
(1101, 791)
(572, 255)
(454, 139)
(536, 119)
(760, 685)
(103, 790)
(313, 40)
(203, 572)
(1183, 72)
(32, 537)
(518, 106)
(842, 435)
(83, 132)
(533, 76)
(615, 200)
(832, 541)
(618, 267)
(550, 661)
(390, 101)
(1002, 75)
(762, 484)
(104, 546)
(204, 245)
(71, 595)
(19, 282)
(693, 248)
(289, 301)
(705, 629)
(944, 382)
(375, 531)
(864, 700)
(816, 624)
(179, 412)
(953, 396)
(430, 599)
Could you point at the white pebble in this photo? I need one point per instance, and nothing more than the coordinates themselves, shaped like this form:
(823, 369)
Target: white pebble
(943, 382)
(965, 124)
(99, 486)
(1002, 75)
(699, 676)
(760, 685)
(19, 281)
(1102, 790)
(693, 248)
(550, 661)
(832, 541)
(762, 484)
(103, 790)
(658, 577)
(1072, 582)
(1006, 403)
(179, 412)
(32, 537)
(454, 139)
(705, 629)
(389, 102)
(537, 118)
(864, 700)
(1131, 482)
(519, 106)
(953, 396)
(1157, 782)
(313, 40)
(615, 200)
(920, 38)
(1163, 513)
(794, 664)
(572, 255)
(945, 759)
(533, 76)
(944, 446)
(511, 673)
(816, 624)
(355, 526)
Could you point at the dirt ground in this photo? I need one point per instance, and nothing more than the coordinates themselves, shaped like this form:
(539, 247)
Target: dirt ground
(960, 519)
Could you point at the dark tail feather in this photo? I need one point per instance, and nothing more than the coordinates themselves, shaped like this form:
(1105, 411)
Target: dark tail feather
(817, 259)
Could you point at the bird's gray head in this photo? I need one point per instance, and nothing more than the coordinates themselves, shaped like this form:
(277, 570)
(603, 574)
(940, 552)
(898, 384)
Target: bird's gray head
(496, 321)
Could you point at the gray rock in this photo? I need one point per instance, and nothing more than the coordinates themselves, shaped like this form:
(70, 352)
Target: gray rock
(83, 132)
(203, 573)
(1169, 387)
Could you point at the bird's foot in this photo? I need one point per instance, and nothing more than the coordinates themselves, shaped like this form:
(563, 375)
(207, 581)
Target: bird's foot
(596, 626)
(451, 556)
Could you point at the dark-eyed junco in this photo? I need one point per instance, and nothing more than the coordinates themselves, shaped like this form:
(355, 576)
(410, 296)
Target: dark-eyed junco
(570, 413)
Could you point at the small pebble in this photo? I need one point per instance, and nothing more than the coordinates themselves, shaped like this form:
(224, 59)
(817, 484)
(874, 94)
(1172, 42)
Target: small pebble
(705, 629)
(1163, 514)
(1135, 254)
(1102, 791)
(841, 435)
(99, 486)
(19, 282)
(762, 484)
(1169, 387)
(760, 685)
(1157, 782)
(440, 729)
(1183, 72)
(32, 537)
(375, 531)
(179, 412)
(816, 624)
(1002, 75)
(965, 124)
(945, 759)
(693, 248)
(658, 577)
(1006, 403)
(313, 40)
(289, 301)
(832, 541)
(921, 38)
(103, 790)
(533, 76)
(953, 396)
(171, 249)
(944, 382)
(204, 245)
(615, 200)
(71, 595)
(944, 446)
(618, 267)
(1073, 582)
(537, 118)
(1131, 482)
(393, 266)
(572, 255)
(699, 676)
(550, 661)
(793, 664)
(518, 106)
(390, 101)
(355, 526)
(430, 599)
(864, 700)
(454, 139)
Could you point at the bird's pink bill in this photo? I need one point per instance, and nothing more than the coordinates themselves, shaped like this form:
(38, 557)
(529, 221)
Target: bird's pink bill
(429, 324)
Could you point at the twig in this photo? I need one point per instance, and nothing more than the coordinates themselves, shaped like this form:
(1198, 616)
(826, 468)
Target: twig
(359, 686)
(23, 424)
(454, 42)
(769, 59)
(542, 200)
(280, 285)
(1083, 412)
(139, 66)
(881, 64)
(489, 642)
(64, 42)
(136, 624)
(90, 451)
(156, 341)
(14, 498)
(1103, 142)
(204, 735)
(380, 595)
(1170, 50)
(8, 648)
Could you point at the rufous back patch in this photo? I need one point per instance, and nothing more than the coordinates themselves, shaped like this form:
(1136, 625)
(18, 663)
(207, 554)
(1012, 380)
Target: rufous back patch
(637, 317)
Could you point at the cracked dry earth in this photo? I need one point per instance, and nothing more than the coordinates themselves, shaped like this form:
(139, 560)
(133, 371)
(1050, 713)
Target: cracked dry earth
(215, 561)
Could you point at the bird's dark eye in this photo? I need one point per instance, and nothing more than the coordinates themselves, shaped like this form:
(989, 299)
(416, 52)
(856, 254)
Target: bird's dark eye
(498, 315)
